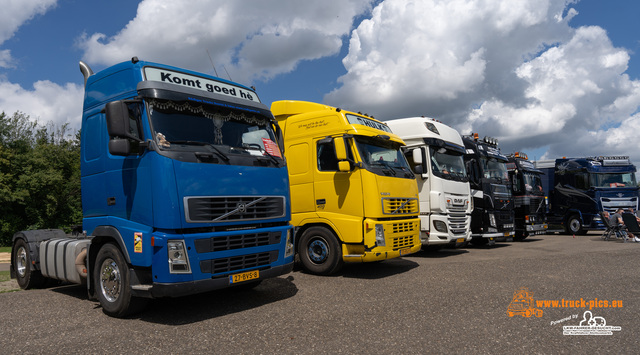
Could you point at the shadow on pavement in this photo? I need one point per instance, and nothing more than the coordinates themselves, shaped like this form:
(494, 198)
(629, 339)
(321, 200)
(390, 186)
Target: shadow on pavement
(376, 270)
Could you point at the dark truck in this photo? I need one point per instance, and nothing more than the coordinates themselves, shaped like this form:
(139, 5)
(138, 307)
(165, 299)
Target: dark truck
(492, 216)
(579, 188)
(528, 196)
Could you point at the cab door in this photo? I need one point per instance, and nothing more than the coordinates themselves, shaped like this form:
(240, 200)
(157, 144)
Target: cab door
(338, 194)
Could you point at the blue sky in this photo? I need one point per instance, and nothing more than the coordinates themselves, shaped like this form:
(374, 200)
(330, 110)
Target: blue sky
(551, 78)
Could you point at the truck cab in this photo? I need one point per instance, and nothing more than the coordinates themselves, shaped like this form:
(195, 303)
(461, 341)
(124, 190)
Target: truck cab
(184, 190)
(579, 188)
(435, 152)
(528, 196)
(492, 217)
(353, 196)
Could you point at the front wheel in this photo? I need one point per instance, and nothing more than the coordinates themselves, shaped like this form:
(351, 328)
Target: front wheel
(574, 226)
(111, 277)
(27, 278)
(320, 251)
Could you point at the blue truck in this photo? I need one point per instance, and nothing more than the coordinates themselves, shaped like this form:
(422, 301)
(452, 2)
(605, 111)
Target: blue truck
(492, 217)
(529, 203)
(184, 190)
(577, 189)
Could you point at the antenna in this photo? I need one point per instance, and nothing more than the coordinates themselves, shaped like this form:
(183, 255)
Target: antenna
(225, 69)
(211, 60)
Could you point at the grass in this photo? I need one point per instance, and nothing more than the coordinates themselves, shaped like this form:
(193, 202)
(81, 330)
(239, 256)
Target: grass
(4, 276)
(5, 249)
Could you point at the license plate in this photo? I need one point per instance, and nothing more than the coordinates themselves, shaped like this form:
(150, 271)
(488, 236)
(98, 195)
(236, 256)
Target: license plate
(507, 234)
(245, 276)
(405, 251)
(460, 240)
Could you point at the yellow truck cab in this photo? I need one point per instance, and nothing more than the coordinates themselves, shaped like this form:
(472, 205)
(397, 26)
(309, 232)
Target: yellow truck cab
(353, 195)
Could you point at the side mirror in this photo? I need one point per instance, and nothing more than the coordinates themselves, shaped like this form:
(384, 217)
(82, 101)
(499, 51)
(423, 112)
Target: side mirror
(119, 146)
(117, 114)
(341, 149)
(344, 166)
(420, 161)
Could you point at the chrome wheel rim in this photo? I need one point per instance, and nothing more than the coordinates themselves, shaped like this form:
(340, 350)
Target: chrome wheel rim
(110, 280)
(21, 261)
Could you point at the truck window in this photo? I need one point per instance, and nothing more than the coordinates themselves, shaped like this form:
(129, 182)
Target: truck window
(581, 181)
(613, 180)
(447, 164)
(382, 157)
(327, 160)
(494, 169)
(233, 131)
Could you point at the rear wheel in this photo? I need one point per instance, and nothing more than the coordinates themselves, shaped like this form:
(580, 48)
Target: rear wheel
(111, 277)
(320, 251)
(27, 278)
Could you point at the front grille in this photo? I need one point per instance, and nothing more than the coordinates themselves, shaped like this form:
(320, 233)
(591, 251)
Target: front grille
(222, 265)
(233, 208)
(457, 223)
(402, 242)
(230, 242)
(399, 205)
(403, 227)
(531, 204)
(611, 204)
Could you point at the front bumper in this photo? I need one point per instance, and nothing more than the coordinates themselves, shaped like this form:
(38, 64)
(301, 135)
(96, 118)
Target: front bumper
(178, 289)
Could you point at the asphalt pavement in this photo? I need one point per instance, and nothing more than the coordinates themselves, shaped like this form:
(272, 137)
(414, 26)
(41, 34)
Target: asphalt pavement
(450, 301)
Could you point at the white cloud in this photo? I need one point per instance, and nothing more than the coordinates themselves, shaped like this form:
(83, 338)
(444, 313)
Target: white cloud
(46, 102)
(252, 39)
(15, 13)
(515, 70)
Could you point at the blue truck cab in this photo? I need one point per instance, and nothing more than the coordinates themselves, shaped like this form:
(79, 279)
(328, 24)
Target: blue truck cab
(492, 216)
(184, 187)
(577, 189)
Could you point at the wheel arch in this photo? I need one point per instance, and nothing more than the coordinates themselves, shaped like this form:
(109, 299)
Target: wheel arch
(101, 236)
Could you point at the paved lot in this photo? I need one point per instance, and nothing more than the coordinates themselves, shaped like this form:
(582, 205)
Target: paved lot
(451, 301)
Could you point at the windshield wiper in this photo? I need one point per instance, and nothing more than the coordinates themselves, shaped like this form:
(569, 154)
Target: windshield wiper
(200, 143)
(386, 165)
(264, 151)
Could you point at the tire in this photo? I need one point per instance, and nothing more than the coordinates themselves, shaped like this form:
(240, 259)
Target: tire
(574, 225)
(520, 236)
(320, 252)
(479, 241)
(21, 259)
(111, 277)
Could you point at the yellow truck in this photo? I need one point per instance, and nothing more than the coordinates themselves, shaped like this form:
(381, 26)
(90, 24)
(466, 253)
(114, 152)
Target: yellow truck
(353, 195)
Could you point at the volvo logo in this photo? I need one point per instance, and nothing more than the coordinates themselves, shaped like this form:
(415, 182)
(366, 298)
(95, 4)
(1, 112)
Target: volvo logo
(241, 208)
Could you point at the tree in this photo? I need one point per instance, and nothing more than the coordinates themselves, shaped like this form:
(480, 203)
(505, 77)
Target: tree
(39, 176)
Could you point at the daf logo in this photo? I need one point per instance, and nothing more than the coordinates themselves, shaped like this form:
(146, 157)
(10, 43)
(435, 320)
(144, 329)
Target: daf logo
(457, 201)
(241, 207)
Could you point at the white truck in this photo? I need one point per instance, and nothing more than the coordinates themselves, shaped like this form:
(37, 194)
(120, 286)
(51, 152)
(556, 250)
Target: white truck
(435, 152)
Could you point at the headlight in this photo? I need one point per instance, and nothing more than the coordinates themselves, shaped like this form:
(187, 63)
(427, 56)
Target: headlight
(178, 260)
(492, 220)
(380, 236)
(440, 226)
(289, 249)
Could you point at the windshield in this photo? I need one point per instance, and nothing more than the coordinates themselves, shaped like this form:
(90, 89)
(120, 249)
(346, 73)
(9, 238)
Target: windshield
(383, 157)
(494, 169)
(532, 183)
(613, 180)
(447, 164)
(180, 125)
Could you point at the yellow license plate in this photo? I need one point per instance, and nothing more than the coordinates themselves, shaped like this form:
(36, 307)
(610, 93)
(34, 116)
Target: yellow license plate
(245, 276)
(405, 251)
(506, 234)
(460, 240)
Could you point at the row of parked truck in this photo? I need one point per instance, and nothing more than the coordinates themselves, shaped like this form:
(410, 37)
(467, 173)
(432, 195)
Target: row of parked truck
(190, 184)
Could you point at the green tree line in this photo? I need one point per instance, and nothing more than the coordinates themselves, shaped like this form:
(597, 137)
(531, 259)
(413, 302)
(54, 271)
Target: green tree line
(39, 176)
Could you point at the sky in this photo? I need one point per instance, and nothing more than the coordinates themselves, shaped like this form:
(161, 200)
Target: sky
(550, 78)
